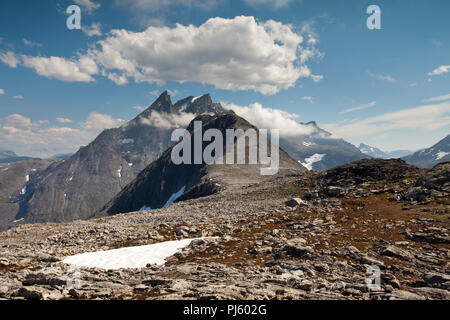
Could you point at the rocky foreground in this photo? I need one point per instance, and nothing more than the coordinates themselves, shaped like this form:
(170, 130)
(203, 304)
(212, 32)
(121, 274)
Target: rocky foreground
(310, 236)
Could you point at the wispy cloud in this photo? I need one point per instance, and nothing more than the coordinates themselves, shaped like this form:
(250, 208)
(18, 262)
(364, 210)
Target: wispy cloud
(95, 29)
(439, 71)
(19, 97)
(439, 98)
(382, 77)
(31, 44)
(426, 117)
(64, 120)
(9, 58)
(307, 98)
(277, 4)
(87, 5)
(365, 106)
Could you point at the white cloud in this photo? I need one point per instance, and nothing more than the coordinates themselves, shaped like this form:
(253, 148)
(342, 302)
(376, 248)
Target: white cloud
(366, 106)
(265, 57)
(36, 138)
(80, 70)
(87, 5)
(383, 77)
(19, 97)
(274, 3)
(2, 91)
(167, 120)
(439, 71)
(439, 98)
(9, 58)
(427, 117)
(64, 120)
(117, 78)
(267, 118)
(95, 29)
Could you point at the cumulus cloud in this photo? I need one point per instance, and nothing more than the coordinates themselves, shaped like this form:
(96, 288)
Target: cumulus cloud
(38, 139)
(95, 29)
(9, 58)
(439, 71)
(265, 57)
(274, 3)
(267, 118)
(365, 106)
(80, 70)
(167, 120)
(2, 91)
(88, 6)
(427, 117)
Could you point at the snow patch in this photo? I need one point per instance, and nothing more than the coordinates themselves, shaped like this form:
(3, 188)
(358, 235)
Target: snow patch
(145, 208)
(311, 160)
(126, 141)
(441, 154)
(308, 144)
(18, 220)
(129, 258)
(119, 172)
(195, 99)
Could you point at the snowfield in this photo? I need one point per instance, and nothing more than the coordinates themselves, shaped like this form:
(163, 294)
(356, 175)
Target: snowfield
(129, 258)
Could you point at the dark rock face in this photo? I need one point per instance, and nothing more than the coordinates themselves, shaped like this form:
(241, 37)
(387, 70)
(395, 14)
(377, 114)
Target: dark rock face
(83, 183)
(428, 158)
(162, 178)
(437, 179)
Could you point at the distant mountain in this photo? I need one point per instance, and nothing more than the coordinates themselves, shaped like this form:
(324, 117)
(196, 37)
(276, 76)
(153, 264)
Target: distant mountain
(62, 156)
(163, 182)
(320, 150)
(85, 182)
(377, 153)
(430, 157)
(7, 154)
(14, 181)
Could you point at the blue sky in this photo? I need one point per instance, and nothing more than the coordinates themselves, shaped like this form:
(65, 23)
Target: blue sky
(388, 88)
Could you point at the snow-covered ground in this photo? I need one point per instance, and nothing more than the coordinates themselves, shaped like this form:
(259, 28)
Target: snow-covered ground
(311, 160)
(128, 258)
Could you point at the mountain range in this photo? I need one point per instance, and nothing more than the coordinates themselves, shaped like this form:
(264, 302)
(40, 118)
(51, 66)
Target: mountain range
(428, 158)
(378, 153)
(98, 177)
(164, 182)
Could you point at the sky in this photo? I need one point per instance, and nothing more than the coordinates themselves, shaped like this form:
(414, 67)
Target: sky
(300, 60)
